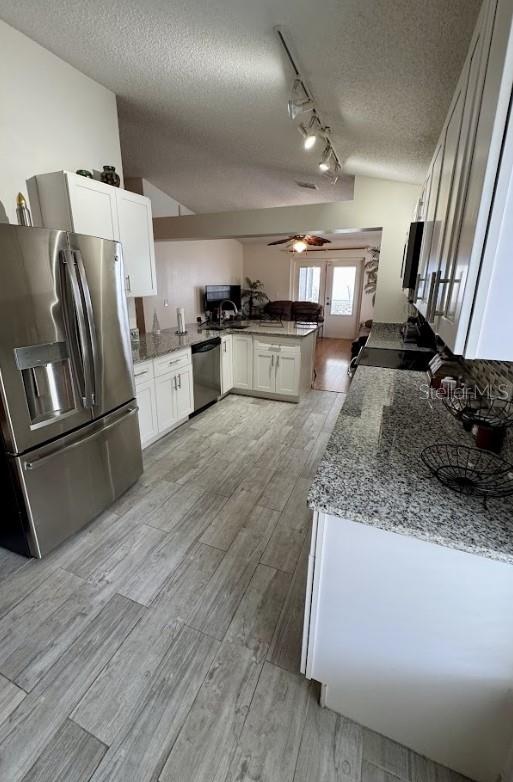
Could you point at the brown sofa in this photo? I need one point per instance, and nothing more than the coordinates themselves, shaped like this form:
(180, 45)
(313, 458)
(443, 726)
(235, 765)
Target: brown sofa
(299, 311)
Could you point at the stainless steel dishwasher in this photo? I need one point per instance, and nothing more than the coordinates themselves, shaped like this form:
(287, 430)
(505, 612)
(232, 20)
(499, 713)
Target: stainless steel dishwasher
(206, 371)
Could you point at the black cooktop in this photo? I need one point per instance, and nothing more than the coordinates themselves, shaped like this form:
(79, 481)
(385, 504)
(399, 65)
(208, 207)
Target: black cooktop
(416, 360)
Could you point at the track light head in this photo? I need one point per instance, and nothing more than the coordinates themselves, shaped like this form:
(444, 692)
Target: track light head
(324, 165)
(310, 141)
(299, 101)
(309, 136)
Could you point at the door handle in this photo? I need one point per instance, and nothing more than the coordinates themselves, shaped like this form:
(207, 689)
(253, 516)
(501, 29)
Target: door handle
(128, 284)
(78, 337)
(86, 295)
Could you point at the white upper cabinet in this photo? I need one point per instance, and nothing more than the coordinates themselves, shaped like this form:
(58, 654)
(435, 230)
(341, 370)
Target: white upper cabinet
(92, 207)
(458, 261)
(87, 206)
(431, 190)
(136, 235)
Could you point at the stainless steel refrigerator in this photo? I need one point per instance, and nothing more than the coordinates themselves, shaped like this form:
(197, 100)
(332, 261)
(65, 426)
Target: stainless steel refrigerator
(69, 423)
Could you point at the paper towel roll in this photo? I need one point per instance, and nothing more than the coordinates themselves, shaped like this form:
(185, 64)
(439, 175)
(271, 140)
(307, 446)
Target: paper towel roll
(180, 320)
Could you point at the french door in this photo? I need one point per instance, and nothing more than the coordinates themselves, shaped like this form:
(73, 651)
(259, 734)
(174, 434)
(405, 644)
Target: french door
(335, 284)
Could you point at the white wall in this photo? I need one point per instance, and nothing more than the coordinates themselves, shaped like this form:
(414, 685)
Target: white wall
(377, 203)
(183, 270)
(272, 266)
(52, 117)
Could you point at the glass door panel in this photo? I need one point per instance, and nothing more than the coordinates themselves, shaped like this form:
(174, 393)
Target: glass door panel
(343, 299)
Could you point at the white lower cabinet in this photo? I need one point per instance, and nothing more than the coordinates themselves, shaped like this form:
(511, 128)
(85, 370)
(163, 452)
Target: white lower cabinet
(226, 363)
(276, 369)
(242, 361)
(164, 392)
(184, 399)
(145, 394)
(263, 370)
(287, 372)
(405, 634)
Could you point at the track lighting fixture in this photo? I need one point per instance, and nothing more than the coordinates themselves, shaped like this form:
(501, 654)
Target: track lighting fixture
(301, 101)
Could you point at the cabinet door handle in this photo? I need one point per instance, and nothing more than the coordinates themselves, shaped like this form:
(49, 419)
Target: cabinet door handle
(224, 345)
(128, 284)
(440, 281)
(140, 374)
(175, 386)
(416, 296)
(277, 362)
(272, 360)
(179, 381)
(429, 307)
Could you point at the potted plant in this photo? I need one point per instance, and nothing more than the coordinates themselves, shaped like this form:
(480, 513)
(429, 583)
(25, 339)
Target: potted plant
(253, 295)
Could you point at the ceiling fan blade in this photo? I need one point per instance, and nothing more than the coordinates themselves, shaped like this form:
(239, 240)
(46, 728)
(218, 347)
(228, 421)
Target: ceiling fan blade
(280, 241)
(315, 241)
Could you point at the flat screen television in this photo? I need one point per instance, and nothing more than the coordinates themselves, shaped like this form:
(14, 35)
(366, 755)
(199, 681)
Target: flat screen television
(215, 294)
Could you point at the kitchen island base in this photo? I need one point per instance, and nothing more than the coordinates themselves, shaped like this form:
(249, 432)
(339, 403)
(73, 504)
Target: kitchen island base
(413, 640)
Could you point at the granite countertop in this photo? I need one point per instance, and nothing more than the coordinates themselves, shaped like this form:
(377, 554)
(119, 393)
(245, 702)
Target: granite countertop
(155, 345)
(388, 336)
(372, 472)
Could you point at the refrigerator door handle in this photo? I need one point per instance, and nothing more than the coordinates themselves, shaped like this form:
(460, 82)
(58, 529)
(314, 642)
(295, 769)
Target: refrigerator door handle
(81, 351)
(89, 319)
(41, 460)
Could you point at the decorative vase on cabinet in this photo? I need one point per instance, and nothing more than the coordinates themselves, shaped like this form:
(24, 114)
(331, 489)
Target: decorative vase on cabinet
(110, 176)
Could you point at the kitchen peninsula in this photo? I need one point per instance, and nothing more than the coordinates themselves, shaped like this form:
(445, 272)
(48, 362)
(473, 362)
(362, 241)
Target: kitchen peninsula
(410, 585)
(266, 359)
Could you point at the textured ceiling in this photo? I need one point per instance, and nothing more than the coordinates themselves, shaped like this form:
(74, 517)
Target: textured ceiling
(202, 87)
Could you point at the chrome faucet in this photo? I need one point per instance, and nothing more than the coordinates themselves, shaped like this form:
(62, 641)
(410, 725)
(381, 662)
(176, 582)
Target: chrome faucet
(226, 301)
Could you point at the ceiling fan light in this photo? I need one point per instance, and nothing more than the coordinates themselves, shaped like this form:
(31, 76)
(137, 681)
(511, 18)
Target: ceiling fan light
(299, 246)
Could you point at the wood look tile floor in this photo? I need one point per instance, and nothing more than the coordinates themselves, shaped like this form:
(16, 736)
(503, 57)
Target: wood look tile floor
(332, 357)
(163, 641)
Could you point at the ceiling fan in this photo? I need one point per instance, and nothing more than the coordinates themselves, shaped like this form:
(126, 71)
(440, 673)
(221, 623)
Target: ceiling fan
(301, 242)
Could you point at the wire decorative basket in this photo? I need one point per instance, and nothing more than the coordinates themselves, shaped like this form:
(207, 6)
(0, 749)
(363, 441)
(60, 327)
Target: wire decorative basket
(469, 471)
(494, 412)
